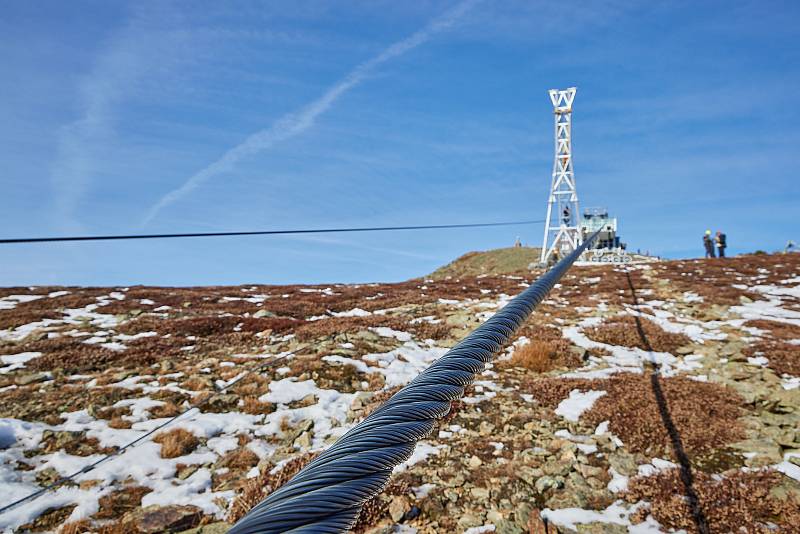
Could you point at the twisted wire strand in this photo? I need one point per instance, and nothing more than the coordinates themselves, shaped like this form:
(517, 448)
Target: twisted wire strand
(328, 494)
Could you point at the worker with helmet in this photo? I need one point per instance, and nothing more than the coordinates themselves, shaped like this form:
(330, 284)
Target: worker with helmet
(708, 243)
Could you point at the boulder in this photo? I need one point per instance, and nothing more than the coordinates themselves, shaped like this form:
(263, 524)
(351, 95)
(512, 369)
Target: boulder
(171, 518)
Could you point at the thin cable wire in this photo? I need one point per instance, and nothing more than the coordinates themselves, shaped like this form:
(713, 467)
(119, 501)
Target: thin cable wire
(89, 467)
(258, 232)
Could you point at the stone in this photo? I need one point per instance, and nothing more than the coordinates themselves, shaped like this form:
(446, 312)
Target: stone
(485, 428)
(539, 525)
(545, 483)
(556, 467)
(475, 462)
(187, 471)
(623, 462)
(567, 499)
(220, 527)
(601, 528)
(303, 440)
(397, 508)
(469, 519)
(480, 493)
(580, 352)
(171, 518)
(766, 451)
(527, 474)
(30, 378)
(260, 314)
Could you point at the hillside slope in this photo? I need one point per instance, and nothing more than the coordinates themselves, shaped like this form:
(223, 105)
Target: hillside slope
(511, 260)
(590, 419)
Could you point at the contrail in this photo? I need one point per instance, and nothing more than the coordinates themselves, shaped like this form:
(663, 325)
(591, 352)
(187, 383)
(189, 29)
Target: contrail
(296, 123)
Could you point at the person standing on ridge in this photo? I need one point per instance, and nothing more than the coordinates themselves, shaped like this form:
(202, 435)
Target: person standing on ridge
(708, 243)
(721, 244)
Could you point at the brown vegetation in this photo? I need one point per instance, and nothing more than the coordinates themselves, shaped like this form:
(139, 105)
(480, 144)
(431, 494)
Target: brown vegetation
(784, 358)
(705, 414)
(738, 502)
(543, 356)
(119, 502)
(176, 442)
(624, 331)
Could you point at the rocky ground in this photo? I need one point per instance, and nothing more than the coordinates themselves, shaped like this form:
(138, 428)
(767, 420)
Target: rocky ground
(662, 398)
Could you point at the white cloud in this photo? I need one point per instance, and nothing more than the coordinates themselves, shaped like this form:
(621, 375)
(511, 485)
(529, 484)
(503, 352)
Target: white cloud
(132, 54)
(294, 124)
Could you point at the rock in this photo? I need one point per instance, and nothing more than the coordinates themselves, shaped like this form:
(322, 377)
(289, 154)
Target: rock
(47, 476)
(485, 428)
(260, 314)
(589, 471)
(494, 516)
(30, 378)
(528, 475)
(122, 375)
(303, 440)
(580, 352)
(171, 518)
(222, 403)
(475, 462)
(567, 499)
(623, 462)
(545, 483)
(556, 467)
(397, 508)
(480, 493)
(732, 347)
(469, 519)
(220, 527)
(308, 400)
(187, 471)
(795, 460)
(297, 429)
(601, 528)
(538, 525)
(766, 451)
(361, 399)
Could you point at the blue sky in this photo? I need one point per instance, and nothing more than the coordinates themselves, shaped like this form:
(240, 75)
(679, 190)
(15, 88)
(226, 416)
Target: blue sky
(217, 116)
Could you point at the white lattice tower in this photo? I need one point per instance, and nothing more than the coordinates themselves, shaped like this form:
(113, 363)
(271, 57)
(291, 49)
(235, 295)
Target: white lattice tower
(561, 226)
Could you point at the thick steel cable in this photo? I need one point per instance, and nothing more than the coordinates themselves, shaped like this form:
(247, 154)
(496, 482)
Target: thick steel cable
(327, 495)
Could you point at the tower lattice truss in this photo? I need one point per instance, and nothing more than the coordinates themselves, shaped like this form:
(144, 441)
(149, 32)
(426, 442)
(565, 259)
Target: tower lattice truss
(561, 231)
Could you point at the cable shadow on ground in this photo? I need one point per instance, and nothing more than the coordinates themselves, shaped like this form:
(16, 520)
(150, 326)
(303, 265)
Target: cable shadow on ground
(674, 436)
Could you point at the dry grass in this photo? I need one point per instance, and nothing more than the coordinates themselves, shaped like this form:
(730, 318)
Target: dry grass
(119, 502)
(624, 331)
(239, 459)
(253, 406)
(778, 330)
(543, 356)
(705, 414)
(784, 358)
(256, 489)
(176, 442)
(168, 409)
(740, 502)
(76, 527)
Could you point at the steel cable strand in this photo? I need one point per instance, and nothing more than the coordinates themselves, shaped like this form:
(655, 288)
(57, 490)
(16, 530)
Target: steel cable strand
(327, 494)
